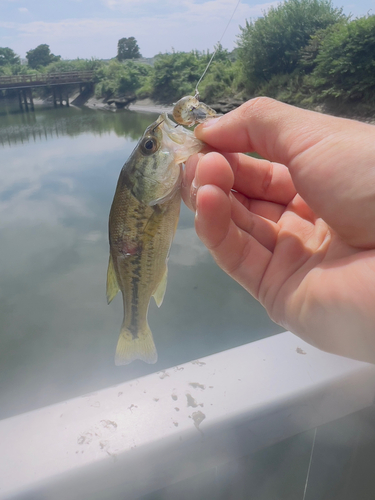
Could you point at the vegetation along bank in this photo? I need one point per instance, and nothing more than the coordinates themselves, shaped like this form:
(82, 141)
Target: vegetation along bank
(303, 52)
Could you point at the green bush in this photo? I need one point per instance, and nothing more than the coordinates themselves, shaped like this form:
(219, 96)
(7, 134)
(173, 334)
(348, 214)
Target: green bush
(272, 44)
(345, 64)
(218, 82)
(146, 87)
(116, 79)
(176, 75)
(74, 65)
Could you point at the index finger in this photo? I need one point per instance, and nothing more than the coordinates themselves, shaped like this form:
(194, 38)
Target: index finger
(261, 179)
(253, 177)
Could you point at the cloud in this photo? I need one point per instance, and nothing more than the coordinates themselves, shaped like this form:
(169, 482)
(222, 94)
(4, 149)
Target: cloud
(44, 162)
(188, 254)
(23, 10)
(9, 25)
(188, 26)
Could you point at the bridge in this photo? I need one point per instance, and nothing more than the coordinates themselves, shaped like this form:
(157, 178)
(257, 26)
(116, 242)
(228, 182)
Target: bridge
(58, 81)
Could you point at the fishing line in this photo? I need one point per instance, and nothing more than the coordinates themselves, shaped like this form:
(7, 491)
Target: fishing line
(308, 469)
(213, 55)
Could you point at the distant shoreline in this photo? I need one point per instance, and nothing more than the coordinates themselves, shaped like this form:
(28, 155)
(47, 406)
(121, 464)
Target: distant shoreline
(222, 107)
(141, 106)
(147, 105)
(150, 106)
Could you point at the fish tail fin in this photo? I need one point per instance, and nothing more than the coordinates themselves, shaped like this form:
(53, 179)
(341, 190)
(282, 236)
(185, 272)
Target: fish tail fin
(129, 348)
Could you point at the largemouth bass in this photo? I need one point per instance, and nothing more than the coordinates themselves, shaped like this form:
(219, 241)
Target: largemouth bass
(142, 224)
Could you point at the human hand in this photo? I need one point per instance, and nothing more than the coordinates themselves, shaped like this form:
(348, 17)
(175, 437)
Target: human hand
(296, 230)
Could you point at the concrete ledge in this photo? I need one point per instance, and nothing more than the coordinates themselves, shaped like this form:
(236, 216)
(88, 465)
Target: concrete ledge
(136, 437)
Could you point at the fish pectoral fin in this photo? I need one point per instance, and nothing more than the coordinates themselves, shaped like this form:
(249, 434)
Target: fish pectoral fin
(160, 290)
(112, 284)
(129, 348)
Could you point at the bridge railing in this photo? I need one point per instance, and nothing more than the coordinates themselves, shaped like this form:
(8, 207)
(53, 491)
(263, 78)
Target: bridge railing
(47, 78)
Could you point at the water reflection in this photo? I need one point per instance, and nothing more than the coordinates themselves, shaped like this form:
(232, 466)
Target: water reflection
(57, 334)
(48, 123)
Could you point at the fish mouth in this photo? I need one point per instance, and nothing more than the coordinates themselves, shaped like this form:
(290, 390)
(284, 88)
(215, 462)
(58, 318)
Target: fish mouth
(162, 118)
(175, 140)
(168, 127)
(166, 121)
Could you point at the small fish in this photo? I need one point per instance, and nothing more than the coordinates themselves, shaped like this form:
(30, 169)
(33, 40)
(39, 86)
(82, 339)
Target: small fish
(189, 111)
(142, 224)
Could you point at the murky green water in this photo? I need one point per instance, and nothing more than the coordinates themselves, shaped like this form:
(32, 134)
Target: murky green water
(58, 170)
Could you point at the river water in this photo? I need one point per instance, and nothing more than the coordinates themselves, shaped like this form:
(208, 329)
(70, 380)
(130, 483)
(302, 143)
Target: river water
(59, 169)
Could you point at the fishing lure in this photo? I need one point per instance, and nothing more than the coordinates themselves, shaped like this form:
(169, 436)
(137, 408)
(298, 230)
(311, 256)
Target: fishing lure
(189, 111)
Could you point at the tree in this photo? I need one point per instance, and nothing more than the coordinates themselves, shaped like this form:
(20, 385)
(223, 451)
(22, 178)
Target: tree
(127, 48)
(272, 44)
(345, 64)
(8, 56)
(41, 56)
(119, 79)
(176, 75)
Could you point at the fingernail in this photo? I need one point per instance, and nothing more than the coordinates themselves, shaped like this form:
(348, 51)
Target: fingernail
(210, 122)
(193, 192)
(187, 172)
(184, 184)
(205, 125)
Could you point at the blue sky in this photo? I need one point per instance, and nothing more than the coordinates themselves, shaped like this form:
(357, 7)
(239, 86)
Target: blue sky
(92, 28)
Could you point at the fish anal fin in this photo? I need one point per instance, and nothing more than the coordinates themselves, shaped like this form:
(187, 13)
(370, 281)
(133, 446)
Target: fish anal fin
(112, 284)
(160, 290)
(129, 348)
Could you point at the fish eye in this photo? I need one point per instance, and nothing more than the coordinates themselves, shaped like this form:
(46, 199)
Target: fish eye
(149, 145)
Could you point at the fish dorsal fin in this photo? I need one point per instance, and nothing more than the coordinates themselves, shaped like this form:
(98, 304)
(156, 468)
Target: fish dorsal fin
(112, 284)
(160, 291)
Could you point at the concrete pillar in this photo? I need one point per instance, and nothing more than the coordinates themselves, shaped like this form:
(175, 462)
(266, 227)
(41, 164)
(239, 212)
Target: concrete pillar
(25, 100)
(20, 99)
(31, 99)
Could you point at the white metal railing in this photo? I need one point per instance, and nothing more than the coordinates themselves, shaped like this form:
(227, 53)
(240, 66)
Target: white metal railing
(142, 435)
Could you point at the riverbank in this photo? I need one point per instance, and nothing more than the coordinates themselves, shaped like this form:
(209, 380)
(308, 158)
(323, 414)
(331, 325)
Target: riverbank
(149, 106)
(142, 106)
(358, 111)
(222, 106)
